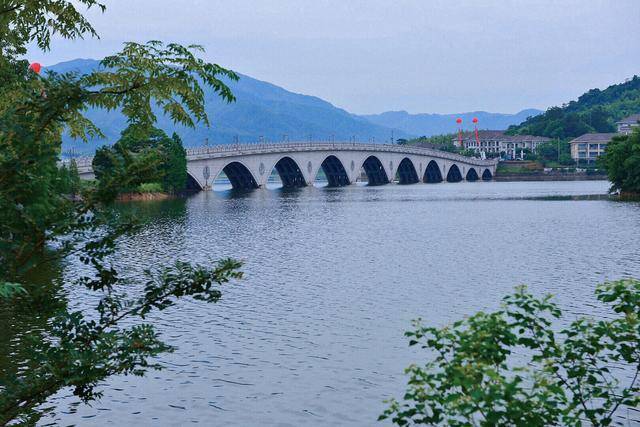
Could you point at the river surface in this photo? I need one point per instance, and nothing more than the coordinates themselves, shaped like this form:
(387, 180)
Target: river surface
(314, 333)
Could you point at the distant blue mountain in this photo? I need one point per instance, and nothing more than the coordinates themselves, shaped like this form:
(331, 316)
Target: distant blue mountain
(436, 124)
(267, 112)
(262, 111)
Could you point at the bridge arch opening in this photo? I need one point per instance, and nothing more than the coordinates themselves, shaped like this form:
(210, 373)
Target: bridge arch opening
(454, 174)
(289, 172)
(472, 175)
(239, 176)
(192, 184)
(406, 173)
(376, 175)
(487, 175)
(432, 173)
(334, 172)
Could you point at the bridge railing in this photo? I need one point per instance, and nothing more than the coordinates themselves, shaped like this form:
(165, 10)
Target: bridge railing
(84, 163)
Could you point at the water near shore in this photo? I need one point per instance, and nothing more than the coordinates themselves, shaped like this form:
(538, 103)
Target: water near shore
(314, 334)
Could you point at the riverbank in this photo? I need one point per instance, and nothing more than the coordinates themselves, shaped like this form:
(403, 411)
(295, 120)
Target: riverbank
(543, 176)
(135, 197)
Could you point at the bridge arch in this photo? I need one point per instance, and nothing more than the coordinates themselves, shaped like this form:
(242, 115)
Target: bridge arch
(454, 174)
(406, 172)
(290, 173)
(487, 175)
(432, 173)
(239, 176)
(192, 183)
(375, 171)
(472, 175)
(335, 171)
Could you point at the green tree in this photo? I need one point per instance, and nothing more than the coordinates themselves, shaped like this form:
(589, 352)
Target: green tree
(40, 224)
(150, 151)
(175, 165)
(548, 151)
(511, 367)
(622, 162)
(566, 159)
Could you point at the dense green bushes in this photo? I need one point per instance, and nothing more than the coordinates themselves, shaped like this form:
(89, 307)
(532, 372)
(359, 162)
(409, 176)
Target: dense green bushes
(514, 366)
(622, 161)
(150, 153)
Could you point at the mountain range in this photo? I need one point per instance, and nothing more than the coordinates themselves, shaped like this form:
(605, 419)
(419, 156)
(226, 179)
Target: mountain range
(266, 112)
(437, 124)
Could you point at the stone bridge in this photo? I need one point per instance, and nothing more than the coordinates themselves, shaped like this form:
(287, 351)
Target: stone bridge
(249, 166)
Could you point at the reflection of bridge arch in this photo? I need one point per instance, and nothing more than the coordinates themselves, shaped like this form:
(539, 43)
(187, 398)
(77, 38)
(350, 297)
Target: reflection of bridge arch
(487, 175)
(289, 172)
(432, 173)
(472, 175)
(375, 171)
(334, 171)
(454, 174)
(407, 172)
(240, 176)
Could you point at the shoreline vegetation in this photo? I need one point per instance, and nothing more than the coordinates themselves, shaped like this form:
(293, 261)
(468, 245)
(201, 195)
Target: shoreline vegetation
(137, 196)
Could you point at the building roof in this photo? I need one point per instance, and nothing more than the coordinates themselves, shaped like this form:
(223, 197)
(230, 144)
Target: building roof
(601, 138)
(631, 120)
(499, 135)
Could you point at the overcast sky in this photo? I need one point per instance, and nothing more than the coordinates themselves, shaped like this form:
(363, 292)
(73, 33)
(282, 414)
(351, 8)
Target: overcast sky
(369, 56)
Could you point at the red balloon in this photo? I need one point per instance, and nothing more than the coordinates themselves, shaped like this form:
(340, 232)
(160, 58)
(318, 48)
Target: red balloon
(475, 120)
(35, 67)
(458, 120)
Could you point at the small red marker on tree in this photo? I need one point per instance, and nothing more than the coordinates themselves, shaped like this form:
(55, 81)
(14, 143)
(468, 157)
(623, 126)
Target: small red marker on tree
(35, 67)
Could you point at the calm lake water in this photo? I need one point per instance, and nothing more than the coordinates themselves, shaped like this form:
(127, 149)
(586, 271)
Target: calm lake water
(314, 334)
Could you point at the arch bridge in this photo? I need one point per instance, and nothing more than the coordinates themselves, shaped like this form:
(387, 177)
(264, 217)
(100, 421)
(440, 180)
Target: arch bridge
(249, 166)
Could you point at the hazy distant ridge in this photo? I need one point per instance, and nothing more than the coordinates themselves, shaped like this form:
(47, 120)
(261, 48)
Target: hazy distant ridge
(266, 112)
(435, 124)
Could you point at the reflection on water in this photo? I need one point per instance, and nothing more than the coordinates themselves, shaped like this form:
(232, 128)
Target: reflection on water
(314, 334)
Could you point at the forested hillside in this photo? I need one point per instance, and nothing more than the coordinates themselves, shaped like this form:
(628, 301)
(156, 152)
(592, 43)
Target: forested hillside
(595, 111)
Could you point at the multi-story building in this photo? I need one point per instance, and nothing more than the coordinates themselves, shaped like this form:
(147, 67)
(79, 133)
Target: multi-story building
(495, 141)
(627, 124)
(586, 148)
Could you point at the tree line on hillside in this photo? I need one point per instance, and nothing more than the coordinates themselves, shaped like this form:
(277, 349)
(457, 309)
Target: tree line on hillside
(442, 142)
(594, 111)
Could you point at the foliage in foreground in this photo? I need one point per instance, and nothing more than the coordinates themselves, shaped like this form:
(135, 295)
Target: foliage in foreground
(42, 225)
(510, 367)
(622, 161)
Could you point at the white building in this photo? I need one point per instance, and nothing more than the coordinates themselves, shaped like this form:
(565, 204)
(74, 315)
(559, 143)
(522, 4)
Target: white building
(495, 141)
(627, 124)
(588, 147)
